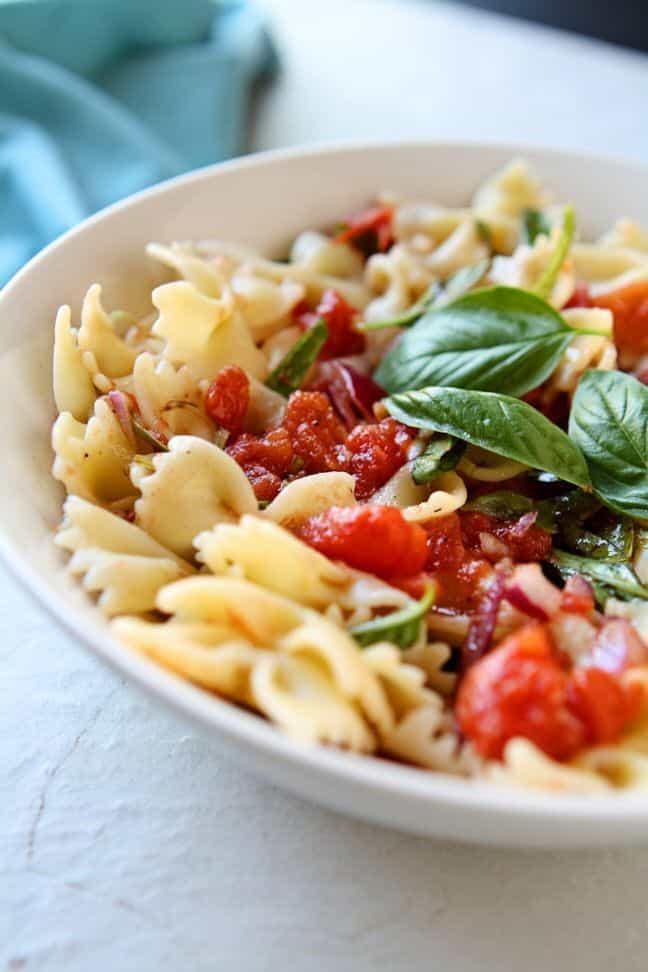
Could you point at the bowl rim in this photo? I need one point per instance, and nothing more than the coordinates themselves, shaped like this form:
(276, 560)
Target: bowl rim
(427, 789)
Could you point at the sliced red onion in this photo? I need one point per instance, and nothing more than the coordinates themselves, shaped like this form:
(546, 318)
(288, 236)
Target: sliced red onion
(618, 646)
(120, 406)
(524, 524)
(483, 621)
(352, 393)
(579, 587)
(530, 592)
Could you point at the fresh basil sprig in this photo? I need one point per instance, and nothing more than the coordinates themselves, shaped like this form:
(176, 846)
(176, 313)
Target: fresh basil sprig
(435, 296)
(534, 224)
(400, 627)
(549, 276)
(609, 423)
(440, 455)
(503, 425)
(608, 579)
(289, 374)
(496, 339)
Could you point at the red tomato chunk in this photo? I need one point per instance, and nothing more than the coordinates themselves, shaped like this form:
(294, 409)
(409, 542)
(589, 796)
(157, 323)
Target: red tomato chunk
(228, 398)
(316, 434)
(521, 689)
(529, 544)
(629, 305)
(264, 459)
(343, 339)
(370, 229)
(377, 539)
(377, 451)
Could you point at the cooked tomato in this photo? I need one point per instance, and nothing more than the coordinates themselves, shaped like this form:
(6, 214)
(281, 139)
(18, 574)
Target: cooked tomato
(374, 538)
(265, 460)
(343, 338)
(228, 398)
(369, 230)
(629, 306)
(316, 434)
(519, 689)
(526, 542)
(377, 451)
(602, 703)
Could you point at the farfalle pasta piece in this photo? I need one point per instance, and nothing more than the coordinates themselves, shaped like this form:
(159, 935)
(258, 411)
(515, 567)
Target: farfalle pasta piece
(320, 640)
(404, 684)
(117, 559)
(626, 234)
(425, 225)
(318, 253)
(265, 305)
(526, 265)
(110, 355)
(86, 525)
(169, 398)
(74, 391)
(526, 766)
(431, 657)
(126, 584)
(396, 279)
(302, 698)
(92, 460)
(204, 333)
(203, 653)
(586, 350)
(421, 503)
(509, 192)
(309, 496)
(189, 489)
(600, 265)
(265, 553)
(207, 276)
(424, 738)
(463, 247)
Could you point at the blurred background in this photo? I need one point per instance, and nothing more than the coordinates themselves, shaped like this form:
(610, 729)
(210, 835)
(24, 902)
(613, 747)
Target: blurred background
(100, 98)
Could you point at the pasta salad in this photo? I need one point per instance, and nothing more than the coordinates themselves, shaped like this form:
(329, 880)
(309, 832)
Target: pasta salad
(390, 493)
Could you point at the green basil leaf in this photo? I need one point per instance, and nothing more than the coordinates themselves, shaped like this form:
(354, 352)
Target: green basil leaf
(435, 296)
(440, 455)
(400, 627)
(609, 422)
(289, 374)
(612, 542)
(534, 224)
(548, 278)
(608, 579)
(503, 425)
(496, 339)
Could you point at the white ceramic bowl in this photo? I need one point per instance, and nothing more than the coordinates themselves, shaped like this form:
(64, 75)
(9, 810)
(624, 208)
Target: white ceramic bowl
(265, 200)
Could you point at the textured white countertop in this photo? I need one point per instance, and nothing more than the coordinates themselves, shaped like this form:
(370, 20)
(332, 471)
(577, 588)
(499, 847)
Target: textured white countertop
(128, 843)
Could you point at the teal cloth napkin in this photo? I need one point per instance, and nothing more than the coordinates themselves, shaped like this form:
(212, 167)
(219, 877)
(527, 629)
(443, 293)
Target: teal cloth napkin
(100, 98)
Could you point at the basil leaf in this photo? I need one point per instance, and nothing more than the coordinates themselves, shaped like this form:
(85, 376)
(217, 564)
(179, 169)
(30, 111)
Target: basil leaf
(613, 542)
(400, 627)
(534, 224)
(609, 422)
(440, 455)
(608, 579)
(289, 374)
(435, 296)
(549, 276)
(503, 425)
(496, 339)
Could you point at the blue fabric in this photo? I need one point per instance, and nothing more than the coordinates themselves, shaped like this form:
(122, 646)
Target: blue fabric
(100, 98)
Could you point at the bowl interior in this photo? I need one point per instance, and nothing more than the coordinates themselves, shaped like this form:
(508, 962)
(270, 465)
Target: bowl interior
(263, 201)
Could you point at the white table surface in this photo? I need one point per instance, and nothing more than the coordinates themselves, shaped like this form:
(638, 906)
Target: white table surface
(128, 843)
